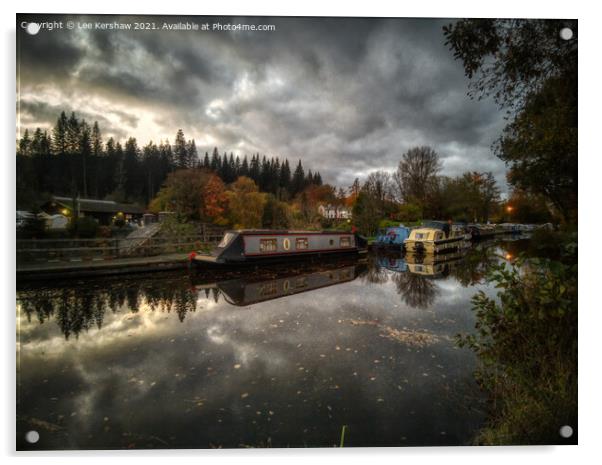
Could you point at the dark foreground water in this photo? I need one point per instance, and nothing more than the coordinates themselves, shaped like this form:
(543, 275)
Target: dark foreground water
(277, 358)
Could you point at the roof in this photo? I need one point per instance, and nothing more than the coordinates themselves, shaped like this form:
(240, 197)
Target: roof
(99, 206)
(276, 232)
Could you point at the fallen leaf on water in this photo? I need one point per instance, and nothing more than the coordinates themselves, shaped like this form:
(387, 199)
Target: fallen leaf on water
(41, 424)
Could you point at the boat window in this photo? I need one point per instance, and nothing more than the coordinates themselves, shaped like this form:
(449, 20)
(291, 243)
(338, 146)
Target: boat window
(301, 243)
(226, 239)
(268, 245)
(438, 236)
(419, 235)
(331, 242)
(345, 241)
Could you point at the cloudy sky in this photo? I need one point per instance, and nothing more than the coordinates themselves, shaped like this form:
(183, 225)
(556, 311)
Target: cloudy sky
(346, 96)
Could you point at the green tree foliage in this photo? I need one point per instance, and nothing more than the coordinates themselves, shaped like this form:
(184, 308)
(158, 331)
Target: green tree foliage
(540, 145)
(366, 215)
(409, 212)
(275, 214)
(472, 197)
(245, 204)
(529, 70)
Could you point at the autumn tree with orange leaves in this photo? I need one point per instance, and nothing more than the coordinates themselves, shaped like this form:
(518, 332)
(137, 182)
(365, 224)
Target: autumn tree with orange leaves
(192, 195)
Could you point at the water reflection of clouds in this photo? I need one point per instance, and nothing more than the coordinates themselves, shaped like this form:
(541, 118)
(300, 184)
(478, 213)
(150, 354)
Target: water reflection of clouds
(351, 298)
(300, 343)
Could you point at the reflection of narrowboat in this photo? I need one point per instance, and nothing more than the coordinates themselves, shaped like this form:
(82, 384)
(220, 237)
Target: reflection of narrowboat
(432, 238)
(392, 237)
(396, 264)
(258, 246)
(511, 228)
(434, 265)
(254, 288)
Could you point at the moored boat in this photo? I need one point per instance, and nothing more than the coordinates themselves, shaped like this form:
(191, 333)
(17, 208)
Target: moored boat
(392, 237)
(484, 231)
(251, 246)
(510, 228)
(437, 237)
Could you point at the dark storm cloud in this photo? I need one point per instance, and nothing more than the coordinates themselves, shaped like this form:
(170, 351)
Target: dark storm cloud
(41, 114)
(347, 96)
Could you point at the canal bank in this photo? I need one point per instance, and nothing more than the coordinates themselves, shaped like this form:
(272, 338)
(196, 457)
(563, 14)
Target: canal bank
(92, 268)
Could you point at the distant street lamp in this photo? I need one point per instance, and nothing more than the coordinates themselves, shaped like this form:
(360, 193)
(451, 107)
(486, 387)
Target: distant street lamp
(509, 208)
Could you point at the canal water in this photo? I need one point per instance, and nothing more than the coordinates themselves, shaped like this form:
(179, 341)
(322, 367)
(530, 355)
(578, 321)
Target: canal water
(359, 351)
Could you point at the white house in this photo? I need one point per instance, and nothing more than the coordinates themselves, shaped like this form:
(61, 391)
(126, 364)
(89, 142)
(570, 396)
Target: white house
(334, 212)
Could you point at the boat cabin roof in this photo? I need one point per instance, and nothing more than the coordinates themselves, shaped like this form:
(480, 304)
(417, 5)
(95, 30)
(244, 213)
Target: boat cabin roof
(435, 224)
(281, 231)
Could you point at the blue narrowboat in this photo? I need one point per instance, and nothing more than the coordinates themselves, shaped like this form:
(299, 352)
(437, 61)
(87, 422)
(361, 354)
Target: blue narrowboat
(393, 237)
(253, 246)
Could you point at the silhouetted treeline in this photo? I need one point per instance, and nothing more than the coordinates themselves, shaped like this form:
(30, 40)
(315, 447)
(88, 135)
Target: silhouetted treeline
(72, 159)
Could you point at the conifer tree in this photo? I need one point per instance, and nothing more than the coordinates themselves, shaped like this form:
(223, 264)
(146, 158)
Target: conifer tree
(254, 169)
(298, 181)
(85, 149)
(73, 135)
(215, 161)
(192, 154)
(180, 152)
(25, 144)
(59, 135)
(244, 168)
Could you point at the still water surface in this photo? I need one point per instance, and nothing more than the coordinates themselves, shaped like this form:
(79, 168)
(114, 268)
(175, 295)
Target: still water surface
(277, 358)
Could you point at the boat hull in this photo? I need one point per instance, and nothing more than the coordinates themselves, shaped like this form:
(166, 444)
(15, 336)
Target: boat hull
(203, 260)
(435, 247)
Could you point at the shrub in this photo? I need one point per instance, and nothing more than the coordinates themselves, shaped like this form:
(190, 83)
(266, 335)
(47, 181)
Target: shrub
(526, 342)
(409, 212)
(173, 226)
(388, 223)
